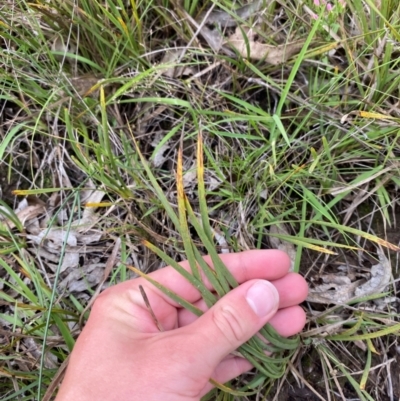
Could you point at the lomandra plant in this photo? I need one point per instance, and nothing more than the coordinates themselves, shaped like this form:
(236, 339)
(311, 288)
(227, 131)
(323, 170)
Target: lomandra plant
(268, 351)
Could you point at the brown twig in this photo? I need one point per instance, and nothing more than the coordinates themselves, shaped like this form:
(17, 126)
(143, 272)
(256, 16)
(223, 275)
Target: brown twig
(148, 306)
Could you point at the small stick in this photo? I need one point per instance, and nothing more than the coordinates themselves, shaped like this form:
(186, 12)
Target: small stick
(58, 377)
(146, 301)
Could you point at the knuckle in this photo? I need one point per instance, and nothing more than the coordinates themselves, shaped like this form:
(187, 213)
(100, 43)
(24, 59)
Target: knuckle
(230, 325)
(103, 297)
(102, 301)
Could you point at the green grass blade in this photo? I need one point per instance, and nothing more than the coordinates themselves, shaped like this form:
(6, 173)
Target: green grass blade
(367, 367)
(160, 193)
(24, 290)
(296, 66)
(64, 330)
(184, 228)
(395, 329)
(53, 294)
(209, 273)
(208, 296)
(225, 276)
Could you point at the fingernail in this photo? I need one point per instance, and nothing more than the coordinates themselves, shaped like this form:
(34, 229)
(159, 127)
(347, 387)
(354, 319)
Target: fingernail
(263, 298)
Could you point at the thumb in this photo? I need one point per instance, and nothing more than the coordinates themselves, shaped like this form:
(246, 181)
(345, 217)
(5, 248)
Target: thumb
(233, 320)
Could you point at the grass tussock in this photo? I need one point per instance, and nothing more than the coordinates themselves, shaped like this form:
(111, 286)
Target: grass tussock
(297, 105)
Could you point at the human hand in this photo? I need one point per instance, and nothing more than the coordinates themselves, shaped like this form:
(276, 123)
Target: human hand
(121, 355)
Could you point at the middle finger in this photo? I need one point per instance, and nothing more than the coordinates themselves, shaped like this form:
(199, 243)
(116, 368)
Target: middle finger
(292, 290)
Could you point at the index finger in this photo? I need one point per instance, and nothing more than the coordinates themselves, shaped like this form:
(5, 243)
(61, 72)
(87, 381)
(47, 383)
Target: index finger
(268, 264)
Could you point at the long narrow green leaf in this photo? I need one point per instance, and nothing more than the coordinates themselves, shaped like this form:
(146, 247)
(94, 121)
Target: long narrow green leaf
(54, 290)
(209, 273)
(347, 229)
(270, 334)
(362, 234)
(21, 287)
(208, 296)
(104, 134)
(362, 394)
(64, 330)
(9, 214)
(230, 391)
(269, 370)
(296, 66)
(281, 128)
(166, 138)
(184, 228)
(160, 193)
(317, 206)
(395, 329)
(312, 243)
(220, 268)
(367, 367)
(11, 135)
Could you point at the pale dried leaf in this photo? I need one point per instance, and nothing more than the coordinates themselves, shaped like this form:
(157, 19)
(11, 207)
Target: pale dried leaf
(31, 212)
(88, 237)
(159, 158)
(89, 281)
(35, 350)
(51, 242)
(282, 245)
(224, 19)
(171, 70)
(85, 84)
(71, 259)
(333, 293)
(95, 196)
(89, 216)
(339, 190)
(221, 240)
(339, 289)
(87, 192)
(65, 182)
(43, 253)
(386, 303)
(264, 194)
(243, 40)
(360, 344)
(63, 45)
(56, 237)
(335, 279)
(62, 216)
(213, 38)
(25, 213)
(21, 205)
(381, 275)
(326, 329)
(212, 182)
(190, 176)
(85, 277)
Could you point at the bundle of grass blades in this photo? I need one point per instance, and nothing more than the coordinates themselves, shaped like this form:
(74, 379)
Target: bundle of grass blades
(268, 352)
